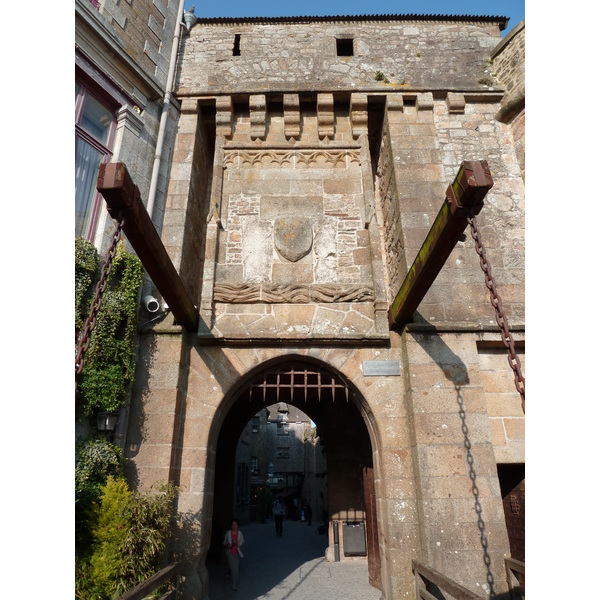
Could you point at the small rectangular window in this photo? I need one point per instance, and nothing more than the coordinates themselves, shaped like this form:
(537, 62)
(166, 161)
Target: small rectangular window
(236, 44)
(283, 452)
(345, 46)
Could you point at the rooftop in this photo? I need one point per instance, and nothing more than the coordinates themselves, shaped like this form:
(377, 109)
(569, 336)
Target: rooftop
(501, 21)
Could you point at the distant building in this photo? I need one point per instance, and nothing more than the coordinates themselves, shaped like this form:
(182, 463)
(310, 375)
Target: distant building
(281, 451)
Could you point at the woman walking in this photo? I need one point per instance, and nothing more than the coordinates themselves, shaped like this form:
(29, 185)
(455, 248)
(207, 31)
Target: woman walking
(233, 542)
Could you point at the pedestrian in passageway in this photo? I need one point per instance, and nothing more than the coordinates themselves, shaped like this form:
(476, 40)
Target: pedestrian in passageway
(278, 514)
(308, 513)
(233, 542)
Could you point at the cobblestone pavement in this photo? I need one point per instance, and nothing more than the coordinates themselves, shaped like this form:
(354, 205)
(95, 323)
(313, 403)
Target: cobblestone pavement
(291, 567)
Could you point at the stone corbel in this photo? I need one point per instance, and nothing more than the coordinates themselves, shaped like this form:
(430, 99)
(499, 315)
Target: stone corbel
(258, 116)
(325, 116)
(291, 116)
(189, 106)
(425, 101)
(359, 114)
(224, 116)
(395, 102)
(455, 103)
(129, 119)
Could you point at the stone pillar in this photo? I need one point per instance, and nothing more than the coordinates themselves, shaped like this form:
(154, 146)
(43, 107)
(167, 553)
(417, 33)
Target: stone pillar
(459, 503)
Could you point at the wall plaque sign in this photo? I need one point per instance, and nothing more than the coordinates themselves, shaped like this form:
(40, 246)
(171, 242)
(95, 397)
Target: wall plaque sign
(373, 368)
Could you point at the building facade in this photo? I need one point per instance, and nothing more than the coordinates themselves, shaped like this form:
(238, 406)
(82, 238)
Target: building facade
(310, 160)
(122, 60)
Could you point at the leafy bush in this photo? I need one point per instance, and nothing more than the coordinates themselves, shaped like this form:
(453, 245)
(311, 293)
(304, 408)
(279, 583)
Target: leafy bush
(130, 533)
(95, 461)
(102, 573)
(87, 271)
(110, 360)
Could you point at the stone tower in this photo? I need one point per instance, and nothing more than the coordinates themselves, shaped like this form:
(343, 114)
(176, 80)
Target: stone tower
(311, 158)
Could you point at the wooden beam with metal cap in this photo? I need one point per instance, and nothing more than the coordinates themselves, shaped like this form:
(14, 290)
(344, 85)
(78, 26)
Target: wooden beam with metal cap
(464, 199)
(123, 200)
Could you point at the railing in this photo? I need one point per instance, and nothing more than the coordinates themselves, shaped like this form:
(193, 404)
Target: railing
(428, 580)
(170, 573)
(514, 568)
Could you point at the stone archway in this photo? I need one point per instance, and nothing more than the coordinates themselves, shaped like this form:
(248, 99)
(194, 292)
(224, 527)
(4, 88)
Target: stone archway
(345, 427)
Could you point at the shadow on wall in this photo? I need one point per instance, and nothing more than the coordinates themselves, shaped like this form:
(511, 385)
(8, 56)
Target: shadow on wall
(456, 372)
(136, 425)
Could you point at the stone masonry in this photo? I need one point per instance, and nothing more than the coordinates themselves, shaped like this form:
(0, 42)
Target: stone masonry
(301, 187)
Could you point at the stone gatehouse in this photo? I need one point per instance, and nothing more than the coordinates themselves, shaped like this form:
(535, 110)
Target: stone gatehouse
(311, 158)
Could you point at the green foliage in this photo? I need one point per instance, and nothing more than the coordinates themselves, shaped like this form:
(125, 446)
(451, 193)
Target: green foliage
(87, 271)
(380, 76)
(110, 360)
(111, 524)
(149, 528)
(95, 460)
(130, 532)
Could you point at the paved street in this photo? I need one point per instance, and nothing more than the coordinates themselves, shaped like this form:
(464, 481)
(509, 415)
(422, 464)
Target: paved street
(291, 567)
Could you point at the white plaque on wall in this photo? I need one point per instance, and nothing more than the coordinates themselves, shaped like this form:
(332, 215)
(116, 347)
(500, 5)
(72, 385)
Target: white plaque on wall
(381, 368)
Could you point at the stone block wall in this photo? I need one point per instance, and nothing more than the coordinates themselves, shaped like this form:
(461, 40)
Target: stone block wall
(508, 60)
(507, 420)
(457, 479)
(288, 56)
(146, 31)
(428, 141)
(290, 252)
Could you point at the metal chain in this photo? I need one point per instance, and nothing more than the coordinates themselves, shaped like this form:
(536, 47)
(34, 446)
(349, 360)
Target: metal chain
(507, 339)
(84, 340)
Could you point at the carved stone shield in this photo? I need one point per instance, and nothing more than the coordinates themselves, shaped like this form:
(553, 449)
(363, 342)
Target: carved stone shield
(293, 237)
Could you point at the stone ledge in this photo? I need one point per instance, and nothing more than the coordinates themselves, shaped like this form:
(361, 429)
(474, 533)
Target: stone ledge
(307, 323)
(207, 339)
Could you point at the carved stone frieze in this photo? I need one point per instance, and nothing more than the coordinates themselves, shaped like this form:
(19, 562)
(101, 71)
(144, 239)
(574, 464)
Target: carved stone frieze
(333, 293)
(245, 293)
(276, 158)
(237, 293)
(285, 294)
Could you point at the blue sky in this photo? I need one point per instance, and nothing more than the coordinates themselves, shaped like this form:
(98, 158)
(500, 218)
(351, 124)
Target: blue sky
(515, 9)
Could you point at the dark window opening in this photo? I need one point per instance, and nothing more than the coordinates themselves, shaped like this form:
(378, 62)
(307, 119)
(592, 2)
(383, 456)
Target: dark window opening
(376, 112)
(236, 45)
(255, 424)
(345, 47)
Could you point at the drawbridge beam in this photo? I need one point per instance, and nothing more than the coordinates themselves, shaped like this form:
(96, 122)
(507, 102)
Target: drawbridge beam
(464, 199)
(124, 201)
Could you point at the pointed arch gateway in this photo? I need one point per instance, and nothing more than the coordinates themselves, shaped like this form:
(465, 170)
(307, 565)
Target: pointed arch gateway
(346, 428)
